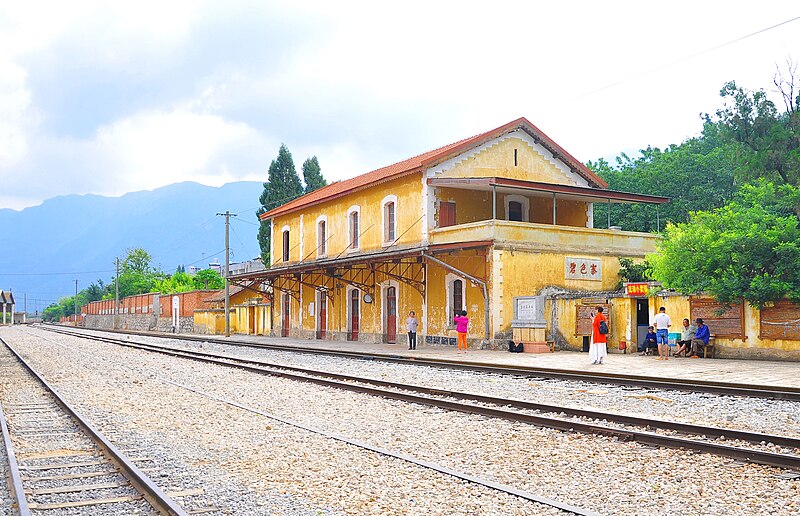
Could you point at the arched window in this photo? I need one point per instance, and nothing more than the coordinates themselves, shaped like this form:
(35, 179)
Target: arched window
(322, 236)
(286, 245)
(389, 218)
(456, 296)
(353, 227)
(517, 208)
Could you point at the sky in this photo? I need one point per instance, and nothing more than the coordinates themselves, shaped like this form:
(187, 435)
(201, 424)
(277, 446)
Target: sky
(112, 97)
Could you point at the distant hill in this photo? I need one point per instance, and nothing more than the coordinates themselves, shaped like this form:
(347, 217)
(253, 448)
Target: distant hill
(45, 248)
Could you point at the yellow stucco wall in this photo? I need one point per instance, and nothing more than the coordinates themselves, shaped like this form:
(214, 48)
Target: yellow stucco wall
(498, 160)
(407, 189)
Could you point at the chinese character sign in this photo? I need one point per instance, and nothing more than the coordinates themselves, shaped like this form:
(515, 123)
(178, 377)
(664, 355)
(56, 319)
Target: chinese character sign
(637, 289)
(583, 269)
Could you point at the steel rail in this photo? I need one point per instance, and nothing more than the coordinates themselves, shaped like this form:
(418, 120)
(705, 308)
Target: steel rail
(680, 384)
(648, 438)
(13, 466)
(141, 482)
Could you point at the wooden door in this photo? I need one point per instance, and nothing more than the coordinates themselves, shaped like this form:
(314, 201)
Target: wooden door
(322, 315)
(285, 316)
(355, 315)
(447, 214)
(251, 316)
(391, 315)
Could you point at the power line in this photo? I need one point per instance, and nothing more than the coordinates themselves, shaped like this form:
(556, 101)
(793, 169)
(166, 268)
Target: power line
(686, 58)
(50, 273)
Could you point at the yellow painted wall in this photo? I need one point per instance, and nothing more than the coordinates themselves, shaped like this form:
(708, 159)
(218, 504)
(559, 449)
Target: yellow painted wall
(498, 160)
(471, 205)
(439, 323)
(408, 190)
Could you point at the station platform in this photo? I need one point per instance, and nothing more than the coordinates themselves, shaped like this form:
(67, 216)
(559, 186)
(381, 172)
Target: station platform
(754, 372)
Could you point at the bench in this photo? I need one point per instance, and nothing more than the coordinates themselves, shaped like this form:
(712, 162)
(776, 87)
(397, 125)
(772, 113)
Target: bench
(708, 349)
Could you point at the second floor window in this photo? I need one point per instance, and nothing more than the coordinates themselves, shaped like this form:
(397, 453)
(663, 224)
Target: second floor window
(354, 229)
(286, 245)
(515, 211)
(321, 238)
(389, 222)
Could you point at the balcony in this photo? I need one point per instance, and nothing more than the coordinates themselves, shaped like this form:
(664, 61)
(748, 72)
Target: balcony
(547, 238)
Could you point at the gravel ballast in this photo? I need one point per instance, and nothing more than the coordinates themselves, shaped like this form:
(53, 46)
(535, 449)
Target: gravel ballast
(123, 386)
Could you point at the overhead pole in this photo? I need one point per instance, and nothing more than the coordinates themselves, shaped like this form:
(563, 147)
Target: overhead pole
(76, 303)
(116, 298)
(227, 216)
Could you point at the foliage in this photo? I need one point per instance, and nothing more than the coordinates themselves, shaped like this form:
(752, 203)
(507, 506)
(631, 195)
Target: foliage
(312, 175)
(748, 249)
(53, 313)
(634, 272)
(695, 175)
(767, 140)
(136, 275)
(208, 279)
(282, 186)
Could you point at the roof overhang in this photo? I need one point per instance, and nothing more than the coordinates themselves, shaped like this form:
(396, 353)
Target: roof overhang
(567, 192)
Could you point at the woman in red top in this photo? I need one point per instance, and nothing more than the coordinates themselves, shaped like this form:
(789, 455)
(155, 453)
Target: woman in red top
(597, 349)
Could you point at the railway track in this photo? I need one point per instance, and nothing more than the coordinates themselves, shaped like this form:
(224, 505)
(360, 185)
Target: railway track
(59, 462)
(707, 439)
(597, 377)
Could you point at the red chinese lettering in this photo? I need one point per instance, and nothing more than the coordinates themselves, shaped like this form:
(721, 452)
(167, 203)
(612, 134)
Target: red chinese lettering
(593, 269)
(572, 267)
(583, 268)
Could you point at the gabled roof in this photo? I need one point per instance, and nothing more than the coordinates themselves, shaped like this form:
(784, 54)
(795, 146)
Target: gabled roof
(6, 297)
(429, 159)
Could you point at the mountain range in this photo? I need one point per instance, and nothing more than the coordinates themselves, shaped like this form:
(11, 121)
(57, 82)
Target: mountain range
(45, 248)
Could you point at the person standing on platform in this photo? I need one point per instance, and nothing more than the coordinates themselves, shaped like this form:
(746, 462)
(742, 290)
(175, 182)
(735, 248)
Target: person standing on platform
(411, 326)
(662, 322)
(597, 349)
(462, 325)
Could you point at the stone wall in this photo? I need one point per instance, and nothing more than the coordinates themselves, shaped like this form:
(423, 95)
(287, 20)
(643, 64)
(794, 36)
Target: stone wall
(139, 322)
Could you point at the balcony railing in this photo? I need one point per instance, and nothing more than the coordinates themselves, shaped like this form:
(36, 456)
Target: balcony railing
(547, 237)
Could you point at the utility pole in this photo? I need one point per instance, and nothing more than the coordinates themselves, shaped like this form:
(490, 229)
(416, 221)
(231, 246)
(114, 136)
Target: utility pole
(227, 216)
(76, 303)
(116, 298)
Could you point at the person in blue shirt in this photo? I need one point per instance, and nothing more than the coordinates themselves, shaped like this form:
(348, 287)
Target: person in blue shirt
(650, 341)
(700, 339)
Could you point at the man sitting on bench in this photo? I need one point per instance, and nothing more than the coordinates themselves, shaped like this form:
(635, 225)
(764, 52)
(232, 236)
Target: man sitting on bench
(700, 339)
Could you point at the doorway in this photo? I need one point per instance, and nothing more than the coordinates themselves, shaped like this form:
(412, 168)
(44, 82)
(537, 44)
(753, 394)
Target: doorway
(285, 316)
(355, 314)
(642, 318)
(391, 315)
(251, 320)
(322, 314)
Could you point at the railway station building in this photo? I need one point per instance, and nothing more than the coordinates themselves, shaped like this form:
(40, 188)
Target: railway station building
(490, 224)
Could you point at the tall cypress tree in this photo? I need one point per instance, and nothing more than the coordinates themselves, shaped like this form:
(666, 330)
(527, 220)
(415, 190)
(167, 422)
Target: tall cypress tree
(312, 175)
(283, 185)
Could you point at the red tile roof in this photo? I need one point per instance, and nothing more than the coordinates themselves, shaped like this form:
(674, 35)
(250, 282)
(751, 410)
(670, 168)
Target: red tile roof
(429, 159)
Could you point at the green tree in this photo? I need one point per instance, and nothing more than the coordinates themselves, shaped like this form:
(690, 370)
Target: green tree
(767, 139)
(208, 279)
(282, 186)
(137, 274)
(695, 175)
(748, 249)
(53, 313)
(312, 175)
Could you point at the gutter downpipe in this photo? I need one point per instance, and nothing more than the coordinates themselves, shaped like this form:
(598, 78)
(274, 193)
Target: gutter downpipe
(471, 278)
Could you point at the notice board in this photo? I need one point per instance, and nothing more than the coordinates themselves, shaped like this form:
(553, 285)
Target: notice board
(584, 316)
(722, 321)
(780, 321)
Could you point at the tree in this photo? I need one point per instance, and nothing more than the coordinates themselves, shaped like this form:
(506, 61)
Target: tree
(282, 186)
(53, 313)
(137, 274)
(208, 279)
(697, 174)
(768, 140)
(748, 249)
(312, 175)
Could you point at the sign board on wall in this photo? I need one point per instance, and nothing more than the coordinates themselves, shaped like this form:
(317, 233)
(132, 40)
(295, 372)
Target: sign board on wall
(585, 315)
(529, 312)
(583, 269)
(637, 289)
(722, 321)
(780, 321)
